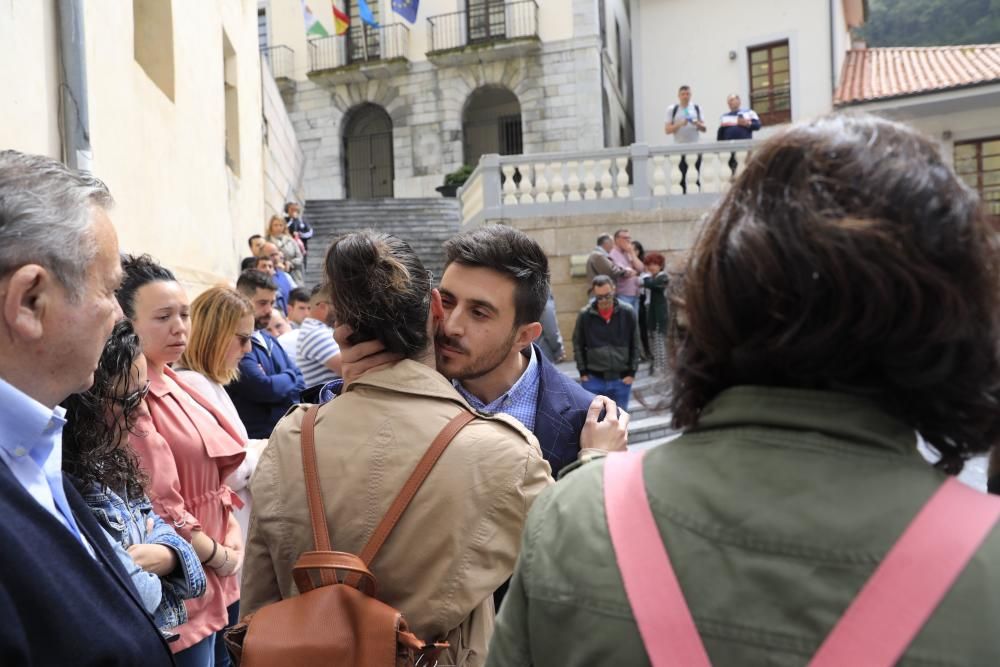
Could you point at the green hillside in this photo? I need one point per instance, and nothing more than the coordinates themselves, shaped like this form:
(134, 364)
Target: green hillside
(931, 22)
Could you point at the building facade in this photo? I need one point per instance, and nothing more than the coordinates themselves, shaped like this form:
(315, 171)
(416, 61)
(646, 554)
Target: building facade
(782, 57)
(950, 93)
(388, 111)
(175, 119)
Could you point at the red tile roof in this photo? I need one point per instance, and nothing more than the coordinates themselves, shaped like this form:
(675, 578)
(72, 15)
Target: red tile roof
(875, 74)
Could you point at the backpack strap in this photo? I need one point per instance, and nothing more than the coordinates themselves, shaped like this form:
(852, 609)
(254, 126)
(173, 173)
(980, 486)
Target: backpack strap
(878, 626)
(913, 578)
(314, 494)
(414, 483)
(653, 592)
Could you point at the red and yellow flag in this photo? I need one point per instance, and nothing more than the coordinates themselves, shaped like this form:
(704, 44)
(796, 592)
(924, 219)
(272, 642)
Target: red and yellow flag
(341, 22)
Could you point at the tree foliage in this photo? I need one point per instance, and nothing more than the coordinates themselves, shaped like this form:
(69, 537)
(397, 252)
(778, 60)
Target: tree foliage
(931, 22)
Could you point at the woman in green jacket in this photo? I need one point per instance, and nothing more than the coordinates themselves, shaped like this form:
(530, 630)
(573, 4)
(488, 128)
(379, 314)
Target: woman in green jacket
(842, 299)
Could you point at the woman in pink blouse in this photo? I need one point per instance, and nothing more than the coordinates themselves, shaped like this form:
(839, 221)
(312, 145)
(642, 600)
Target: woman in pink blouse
(187, 448)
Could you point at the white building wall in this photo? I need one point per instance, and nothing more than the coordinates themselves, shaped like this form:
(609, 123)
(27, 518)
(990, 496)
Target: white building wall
(163, 160)
(284, 160)
(689, 42)
(29, 77)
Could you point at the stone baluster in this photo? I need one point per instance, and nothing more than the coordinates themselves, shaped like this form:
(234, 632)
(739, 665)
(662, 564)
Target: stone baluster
(589, 180)
(621, 181)
(541, 184)
(675, 175)
(604, 169)
(558, 195)
(525, 187)
(709, 173)
(574, 181)
(660, 175)
(509, 188)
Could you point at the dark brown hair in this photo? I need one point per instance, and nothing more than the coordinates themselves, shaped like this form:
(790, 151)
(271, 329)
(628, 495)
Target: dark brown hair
(849, 257)
(380, 289)
(512, 253)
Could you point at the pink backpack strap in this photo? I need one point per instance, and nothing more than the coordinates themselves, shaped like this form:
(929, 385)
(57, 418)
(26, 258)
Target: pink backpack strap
(911, 581)
(657, 602)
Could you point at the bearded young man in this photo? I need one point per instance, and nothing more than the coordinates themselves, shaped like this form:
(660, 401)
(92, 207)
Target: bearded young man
(494, 289)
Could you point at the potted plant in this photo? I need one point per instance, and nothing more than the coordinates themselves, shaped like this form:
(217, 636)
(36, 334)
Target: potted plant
(455, 180)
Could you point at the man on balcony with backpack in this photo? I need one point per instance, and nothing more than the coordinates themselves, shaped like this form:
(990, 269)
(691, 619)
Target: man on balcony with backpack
(840, 300)
(685, 122)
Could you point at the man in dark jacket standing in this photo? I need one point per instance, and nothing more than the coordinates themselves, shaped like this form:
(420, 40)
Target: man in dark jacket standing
(269, 382)
(65, 599)
(605, 344)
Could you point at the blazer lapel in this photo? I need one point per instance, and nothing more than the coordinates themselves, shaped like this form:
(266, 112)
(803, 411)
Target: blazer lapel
(551, 428)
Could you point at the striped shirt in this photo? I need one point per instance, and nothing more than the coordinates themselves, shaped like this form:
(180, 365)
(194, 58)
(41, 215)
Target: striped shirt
(315, 347)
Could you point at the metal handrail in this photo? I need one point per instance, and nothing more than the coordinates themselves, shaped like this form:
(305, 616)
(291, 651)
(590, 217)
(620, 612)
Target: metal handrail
(281, 60)
(360, 44)
(489, 23)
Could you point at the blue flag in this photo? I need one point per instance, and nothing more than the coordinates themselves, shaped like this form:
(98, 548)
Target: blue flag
(365, 12)
(406, 8)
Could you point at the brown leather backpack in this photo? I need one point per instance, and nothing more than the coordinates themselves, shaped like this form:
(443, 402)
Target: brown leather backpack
(337, 619)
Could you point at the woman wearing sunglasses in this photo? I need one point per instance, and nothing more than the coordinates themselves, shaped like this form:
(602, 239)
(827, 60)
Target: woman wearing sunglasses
(188, 448)
(98, 460)
(221, 328)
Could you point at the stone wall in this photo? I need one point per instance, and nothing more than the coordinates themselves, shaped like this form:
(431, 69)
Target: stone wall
(284, 161)
(670, 231)
(558, 86)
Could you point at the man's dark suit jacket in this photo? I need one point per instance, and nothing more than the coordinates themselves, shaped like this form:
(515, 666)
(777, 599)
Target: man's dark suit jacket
(58, 605)
(269, 384)
(561, 412)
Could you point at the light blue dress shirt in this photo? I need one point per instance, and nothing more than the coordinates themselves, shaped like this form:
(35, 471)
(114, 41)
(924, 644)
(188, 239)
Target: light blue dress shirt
(31, 446)
(520, 401)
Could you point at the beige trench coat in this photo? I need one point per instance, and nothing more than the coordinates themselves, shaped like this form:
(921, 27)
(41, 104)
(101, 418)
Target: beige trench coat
(459, 538)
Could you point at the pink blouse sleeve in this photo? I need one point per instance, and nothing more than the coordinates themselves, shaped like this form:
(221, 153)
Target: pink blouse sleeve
(164, 487)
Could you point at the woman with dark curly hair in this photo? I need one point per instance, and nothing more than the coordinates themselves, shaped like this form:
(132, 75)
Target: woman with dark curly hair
(843, 298)
(104, 469)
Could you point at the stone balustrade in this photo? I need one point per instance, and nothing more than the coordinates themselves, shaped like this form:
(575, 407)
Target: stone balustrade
(637, 177)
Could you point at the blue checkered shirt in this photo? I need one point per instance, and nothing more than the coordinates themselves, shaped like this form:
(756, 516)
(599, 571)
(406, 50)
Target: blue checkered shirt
(520, 401)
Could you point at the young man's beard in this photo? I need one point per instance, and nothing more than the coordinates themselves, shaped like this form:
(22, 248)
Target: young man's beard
(261, 322)
(475, 368)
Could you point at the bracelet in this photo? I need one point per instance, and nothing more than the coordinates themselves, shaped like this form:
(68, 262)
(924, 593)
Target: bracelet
(215, 548)
(226, 552)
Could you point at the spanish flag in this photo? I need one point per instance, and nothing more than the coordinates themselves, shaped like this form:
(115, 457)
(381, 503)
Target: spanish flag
(341, 22)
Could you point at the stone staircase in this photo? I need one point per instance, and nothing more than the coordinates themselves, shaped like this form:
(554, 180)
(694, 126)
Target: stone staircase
(647, 427)
(423, 223)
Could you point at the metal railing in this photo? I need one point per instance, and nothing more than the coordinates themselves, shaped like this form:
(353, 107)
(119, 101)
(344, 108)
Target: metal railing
(281, 60)
(485, 22)
(361, 43)
(636, 177)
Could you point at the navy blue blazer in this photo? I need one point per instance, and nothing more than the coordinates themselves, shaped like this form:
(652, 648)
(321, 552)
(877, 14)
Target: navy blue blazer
(561, 412)
(58, 605)
(269, 384)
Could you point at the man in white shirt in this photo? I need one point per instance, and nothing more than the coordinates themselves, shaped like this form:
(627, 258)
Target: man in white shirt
(684, 121)
(317, 353)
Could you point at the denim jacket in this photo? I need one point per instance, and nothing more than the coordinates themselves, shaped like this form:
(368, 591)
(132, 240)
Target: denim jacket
(126, 522)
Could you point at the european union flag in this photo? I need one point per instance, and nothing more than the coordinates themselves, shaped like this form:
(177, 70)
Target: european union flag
(365, 12)
(406, 8)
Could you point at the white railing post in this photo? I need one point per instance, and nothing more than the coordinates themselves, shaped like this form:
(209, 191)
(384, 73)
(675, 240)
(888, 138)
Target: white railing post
(641, 188)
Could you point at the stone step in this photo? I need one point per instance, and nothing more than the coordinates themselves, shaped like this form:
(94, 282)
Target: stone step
(650, 428)
(423, 223)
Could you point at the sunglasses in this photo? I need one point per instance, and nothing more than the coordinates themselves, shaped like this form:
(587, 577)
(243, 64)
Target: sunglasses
(130, 402)
(604, 297)
(244, 338)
